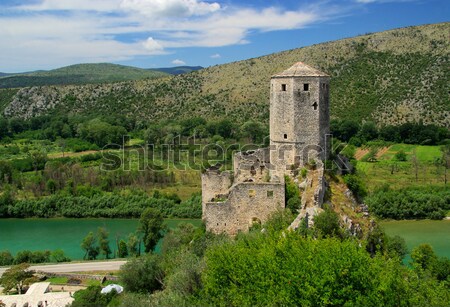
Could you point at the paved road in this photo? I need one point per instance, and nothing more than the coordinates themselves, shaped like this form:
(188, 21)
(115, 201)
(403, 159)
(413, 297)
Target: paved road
(76, 267)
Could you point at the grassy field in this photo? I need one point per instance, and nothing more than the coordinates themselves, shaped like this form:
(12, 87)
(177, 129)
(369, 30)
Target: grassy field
(401, 174)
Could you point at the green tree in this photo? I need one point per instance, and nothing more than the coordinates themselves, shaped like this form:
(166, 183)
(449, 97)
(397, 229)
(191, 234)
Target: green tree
(122, 250)
(423, 256)
(89, 245)
(103, 241)
(6, 258)
(6, 172)
(253, 130)
(142, 274)
(16, 277)
(400, 155)
(58, 256)
(38, 159)
(92, 296)
(133, 245)
(326, 223)
(151, 227)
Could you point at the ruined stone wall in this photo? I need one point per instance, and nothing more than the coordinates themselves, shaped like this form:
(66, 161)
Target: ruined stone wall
(252, 165)
(215, 184)
(319, 193)
(247, 203)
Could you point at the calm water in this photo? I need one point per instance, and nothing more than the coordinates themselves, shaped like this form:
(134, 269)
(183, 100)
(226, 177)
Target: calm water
(66, 234)
(436, 233)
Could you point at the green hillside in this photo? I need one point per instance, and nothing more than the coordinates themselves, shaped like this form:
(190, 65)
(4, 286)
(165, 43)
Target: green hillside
(390, 77)
(79, 74)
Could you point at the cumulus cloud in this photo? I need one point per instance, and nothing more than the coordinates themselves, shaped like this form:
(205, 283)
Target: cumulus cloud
(178, 62)
(215, 56)
(153, 46)
(170, 8)
(70, 31)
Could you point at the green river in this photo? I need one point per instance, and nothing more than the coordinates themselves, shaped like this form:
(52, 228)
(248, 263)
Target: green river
(65, 234)
(436, 233)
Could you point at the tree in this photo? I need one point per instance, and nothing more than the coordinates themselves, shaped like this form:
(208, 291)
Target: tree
(133, 244)
(372, 155)
(58, 256)
(445, 160)
(92, 296)
(151, 228)
(142, 274)
(6, 172)
(423, 256)
(253, 130)
(326, 223)
(415, 163)
(89, 245)
(16, 277)
(103, 241)
(400, 155)
(38, 159)
(6, 258)
(122, 250)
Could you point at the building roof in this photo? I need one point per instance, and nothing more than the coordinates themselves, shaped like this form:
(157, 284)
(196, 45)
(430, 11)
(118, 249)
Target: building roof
(300, 69)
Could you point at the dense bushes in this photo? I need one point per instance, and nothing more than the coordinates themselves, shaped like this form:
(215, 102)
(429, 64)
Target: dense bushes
(26, 256)
(410, 203)
(409, 133)
(100, 205)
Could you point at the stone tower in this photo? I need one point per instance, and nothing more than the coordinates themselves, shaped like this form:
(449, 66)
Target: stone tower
(299, 116)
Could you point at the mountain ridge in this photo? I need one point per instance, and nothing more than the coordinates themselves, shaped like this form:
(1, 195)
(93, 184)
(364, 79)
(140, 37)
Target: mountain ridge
(389, 77)
(79, 74)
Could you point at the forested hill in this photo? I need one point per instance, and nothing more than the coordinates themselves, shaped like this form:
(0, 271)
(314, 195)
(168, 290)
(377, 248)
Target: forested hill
(390, 77)
(79, 74)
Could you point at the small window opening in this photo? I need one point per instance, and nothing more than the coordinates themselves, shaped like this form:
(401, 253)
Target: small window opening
(285, 136)
(269, 193)
(251, 193)
(315, 105)
(225, 224)
(306, 87)
(283, 87)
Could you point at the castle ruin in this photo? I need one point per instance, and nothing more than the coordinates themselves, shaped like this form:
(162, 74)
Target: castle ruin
(299, 125)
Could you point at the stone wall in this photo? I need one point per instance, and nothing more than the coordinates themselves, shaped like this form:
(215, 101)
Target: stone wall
(215, 184)
(252, 166)
(247, 203)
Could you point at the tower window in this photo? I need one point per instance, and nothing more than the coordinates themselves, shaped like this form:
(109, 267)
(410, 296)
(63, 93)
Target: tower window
(269, 194)
(283, 87)
(306, 87)
(251, 193)
(285, 136)
(315, 105)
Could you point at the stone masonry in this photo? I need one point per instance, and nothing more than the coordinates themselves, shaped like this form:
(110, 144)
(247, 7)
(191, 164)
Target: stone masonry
(299, 122)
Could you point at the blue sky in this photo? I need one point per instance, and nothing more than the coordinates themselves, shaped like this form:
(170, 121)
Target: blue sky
(46, 34)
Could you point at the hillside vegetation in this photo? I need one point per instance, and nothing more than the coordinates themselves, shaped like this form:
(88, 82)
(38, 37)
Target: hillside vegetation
(389, 77)
(79, 74)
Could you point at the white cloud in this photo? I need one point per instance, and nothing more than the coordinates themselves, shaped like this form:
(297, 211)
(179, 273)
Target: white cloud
(67, 5)
(170, 8)
(215, 56)
(153, 46)
(54, 32)
(178, 62)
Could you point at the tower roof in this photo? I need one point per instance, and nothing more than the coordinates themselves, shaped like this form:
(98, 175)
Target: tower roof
(300, 69)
